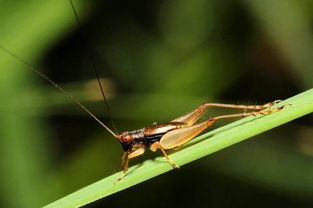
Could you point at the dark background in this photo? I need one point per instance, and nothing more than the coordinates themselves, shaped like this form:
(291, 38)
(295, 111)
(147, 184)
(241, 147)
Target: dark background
(158, 60)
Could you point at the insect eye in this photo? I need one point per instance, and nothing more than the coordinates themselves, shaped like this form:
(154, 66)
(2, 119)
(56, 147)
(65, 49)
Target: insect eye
(126, 138)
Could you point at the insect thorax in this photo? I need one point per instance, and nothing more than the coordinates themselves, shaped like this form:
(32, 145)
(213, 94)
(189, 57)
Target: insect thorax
(130, 139)
(137, 134)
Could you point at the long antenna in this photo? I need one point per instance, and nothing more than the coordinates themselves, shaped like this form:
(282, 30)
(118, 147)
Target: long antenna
(32, 68)
(91, 60)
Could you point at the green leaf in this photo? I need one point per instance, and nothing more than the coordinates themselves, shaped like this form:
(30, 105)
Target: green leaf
(201, 146)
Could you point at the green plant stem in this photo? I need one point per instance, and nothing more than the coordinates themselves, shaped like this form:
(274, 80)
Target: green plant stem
(201, 146)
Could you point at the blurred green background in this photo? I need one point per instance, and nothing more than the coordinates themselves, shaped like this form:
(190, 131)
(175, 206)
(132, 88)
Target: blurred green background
(158, 60)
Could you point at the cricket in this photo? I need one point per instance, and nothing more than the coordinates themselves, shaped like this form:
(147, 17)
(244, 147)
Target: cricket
(159, 136)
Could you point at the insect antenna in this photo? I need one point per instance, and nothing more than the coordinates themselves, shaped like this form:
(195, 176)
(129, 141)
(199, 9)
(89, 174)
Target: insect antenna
(32, 68)
(93, 63)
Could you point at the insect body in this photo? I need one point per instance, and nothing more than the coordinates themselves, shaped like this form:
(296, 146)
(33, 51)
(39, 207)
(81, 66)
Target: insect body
(180, 130)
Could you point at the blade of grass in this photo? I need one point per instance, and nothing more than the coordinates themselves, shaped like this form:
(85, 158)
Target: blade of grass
(201, 146)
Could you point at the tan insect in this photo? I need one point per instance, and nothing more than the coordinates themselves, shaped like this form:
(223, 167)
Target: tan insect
(179, 131)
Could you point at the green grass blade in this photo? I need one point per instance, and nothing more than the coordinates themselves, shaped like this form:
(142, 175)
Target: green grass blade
(201, 146)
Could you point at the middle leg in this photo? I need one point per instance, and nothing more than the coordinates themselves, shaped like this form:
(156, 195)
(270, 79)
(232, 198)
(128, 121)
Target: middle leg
(156, 146)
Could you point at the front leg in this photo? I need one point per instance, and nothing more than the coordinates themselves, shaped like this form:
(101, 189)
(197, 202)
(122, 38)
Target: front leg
(124, 166)
(125, 160)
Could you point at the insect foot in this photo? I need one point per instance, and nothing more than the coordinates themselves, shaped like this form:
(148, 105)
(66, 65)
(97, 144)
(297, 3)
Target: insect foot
(174, 164)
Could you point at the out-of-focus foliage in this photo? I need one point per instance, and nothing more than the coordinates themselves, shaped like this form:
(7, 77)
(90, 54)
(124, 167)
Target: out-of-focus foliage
(160, 60)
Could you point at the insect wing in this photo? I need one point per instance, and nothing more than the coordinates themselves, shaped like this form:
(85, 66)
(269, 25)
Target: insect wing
(180, 136)
(191, 117)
